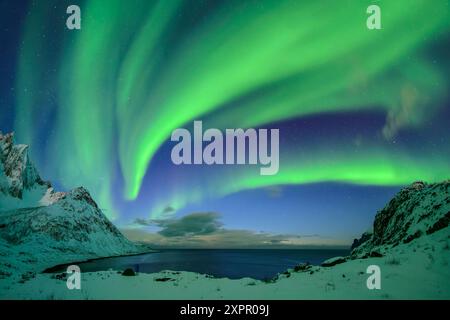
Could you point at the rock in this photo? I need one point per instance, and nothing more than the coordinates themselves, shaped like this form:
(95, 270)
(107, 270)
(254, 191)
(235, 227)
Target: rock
(164, 279)
(129, 272)
(417, 210)
(302, 267)
(18, 172)
(413, 236)
(333, 261)
(418, 185)
(375, 254)
(440, 224)
(364, 237)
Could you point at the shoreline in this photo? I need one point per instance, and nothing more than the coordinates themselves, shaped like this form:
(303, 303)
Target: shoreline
(300, 264)
(55, 268)
(426, 258)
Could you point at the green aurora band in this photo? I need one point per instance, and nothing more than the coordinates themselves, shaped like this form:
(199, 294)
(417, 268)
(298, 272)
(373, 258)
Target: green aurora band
(132, 75)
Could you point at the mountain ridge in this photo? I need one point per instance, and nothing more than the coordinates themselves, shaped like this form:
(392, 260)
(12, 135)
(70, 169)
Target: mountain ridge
(40, 228)
(417, 210)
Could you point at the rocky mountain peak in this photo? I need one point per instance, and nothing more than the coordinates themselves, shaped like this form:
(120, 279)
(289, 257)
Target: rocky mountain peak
(17, 170)
(38, 222)
(6, 143)
(81, 194)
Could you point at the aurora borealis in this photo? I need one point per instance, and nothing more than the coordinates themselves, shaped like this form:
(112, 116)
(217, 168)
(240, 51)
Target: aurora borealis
(357, 109)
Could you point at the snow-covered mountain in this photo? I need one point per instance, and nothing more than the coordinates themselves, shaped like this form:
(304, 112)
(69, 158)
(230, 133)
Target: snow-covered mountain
(20, 184)
(40, 228)
(418, 210)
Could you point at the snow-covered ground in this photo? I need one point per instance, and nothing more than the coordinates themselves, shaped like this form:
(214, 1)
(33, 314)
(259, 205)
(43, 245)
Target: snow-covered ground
(416, 270)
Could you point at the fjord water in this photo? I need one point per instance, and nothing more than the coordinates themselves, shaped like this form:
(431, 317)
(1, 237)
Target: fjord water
(229, 263)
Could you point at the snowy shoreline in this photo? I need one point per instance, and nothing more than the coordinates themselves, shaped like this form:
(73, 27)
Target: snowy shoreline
(63, 265)
(416, 270)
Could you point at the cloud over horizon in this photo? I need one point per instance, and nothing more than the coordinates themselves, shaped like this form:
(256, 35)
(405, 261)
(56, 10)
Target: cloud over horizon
(205, 230)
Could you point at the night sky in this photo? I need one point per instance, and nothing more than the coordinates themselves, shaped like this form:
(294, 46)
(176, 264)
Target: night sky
(361, 112)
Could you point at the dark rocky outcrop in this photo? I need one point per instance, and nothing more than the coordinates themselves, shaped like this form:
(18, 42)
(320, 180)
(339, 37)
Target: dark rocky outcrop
(128, 272)
(357, 242)
(333, 261)
(417, 210)
(17, 171)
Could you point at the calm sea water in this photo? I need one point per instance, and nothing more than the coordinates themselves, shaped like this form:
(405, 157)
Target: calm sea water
(233, 264)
